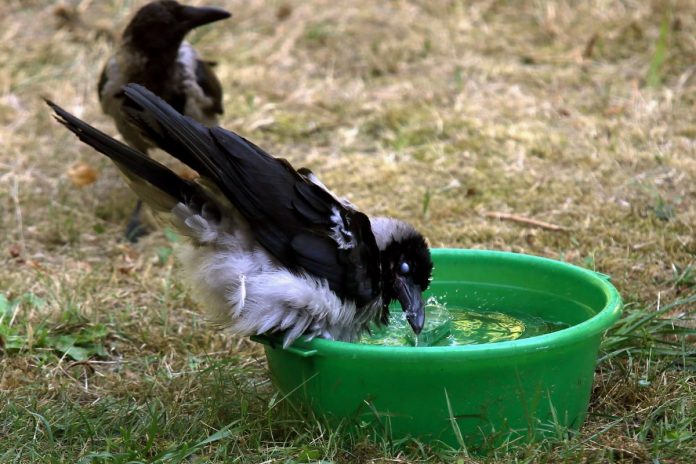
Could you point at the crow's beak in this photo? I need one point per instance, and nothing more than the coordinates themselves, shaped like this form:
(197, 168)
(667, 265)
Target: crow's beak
(409, 295)
(198, 16)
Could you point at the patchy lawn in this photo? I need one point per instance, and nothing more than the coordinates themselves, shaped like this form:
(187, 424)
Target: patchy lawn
(440, 113)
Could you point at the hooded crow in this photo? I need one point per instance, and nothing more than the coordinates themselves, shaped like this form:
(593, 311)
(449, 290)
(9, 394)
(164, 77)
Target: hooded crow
(270, 249)
(153, 53)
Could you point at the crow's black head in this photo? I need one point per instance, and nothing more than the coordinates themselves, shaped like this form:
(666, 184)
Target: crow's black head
(406, 267)
(161, 26)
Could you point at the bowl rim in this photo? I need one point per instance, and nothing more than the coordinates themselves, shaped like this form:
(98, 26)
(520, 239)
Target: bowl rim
(578, 333)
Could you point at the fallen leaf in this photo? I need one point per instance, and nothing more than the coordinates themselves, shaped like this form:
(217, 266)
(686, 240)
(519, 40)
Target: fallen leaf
(15, 250)
(67, 16)
(82, 174)
(34, 264)
(613, 110)
(590, 46)
(283, 12)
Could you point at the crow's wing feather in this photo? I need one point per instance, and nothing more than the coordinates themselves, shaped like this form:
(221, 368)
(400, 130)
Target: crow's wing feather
(297, 221)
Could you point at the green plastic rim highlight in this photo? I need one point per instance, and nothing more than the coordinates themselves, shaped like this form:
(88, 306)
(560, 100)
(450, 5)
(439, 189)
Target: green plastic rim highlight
(595, 325)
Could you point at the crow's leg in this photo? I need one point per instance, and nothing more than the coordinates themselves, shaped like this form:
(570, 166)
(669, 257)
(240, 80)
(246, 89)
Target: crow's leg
(135, 227)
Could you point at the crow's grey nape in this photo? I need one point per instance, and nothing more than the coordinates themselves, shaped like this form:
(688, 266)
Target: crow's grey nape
(387, 230)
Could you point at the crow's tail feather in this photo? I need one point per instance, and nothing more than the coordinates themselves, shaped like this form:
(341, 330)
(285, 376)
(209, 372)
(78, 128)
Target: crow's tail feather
(154, 183)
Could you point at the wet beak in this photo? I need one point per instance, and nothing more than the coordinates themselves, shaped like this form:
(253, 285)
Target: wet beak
(198, 16)
(409, 295)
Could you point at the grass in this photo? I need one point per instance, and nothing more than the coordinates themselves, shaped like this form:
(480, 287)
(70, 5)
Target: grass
(574, 113)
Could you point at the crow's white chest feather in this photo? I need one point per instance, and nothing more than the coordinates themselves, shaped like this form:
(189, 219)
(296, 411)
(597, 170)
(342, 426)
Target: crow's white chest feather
(248, 291)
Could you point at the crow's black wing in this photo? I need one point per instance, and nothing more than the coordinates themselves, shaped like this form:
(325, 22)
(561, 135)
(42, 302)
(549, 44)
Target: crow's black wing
(296, 220)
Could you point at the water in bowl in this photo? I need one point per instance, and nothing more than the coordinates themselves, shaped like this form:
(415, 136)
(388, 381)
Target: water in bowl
(460, 326)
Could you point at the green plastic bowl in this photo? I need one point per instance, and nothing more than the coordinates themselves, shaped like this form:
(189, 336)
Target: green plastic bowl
(472, 395)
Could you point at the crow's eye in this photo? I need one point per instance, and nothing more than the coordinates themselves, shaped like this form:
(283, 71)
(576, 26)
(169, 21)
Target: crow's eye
(404, 268)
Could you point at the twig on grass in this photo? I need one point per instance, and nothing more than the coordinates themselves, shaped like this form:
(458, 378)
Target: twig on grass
(526, 221)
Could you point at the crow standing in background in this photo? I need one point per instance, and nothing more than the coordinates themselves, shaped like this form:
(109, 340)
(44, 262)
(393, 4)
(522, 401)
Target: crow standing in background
(271, 250)
(153, 53)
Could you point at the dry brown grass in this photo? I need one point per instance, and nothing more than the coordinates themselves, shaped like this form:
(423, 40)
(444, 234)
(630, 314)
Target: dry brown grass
(538, 109)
